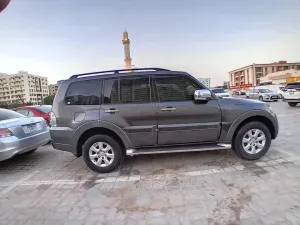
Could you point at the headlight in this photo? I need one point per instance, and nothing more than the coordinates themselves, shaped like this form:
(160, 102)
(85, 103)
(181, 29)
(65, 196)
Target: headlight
(267, 96)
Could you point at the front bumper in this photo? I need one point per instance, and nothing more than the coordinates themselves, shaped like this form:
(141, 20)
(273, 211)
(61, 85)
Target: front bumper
(12, 145)
(271, 98)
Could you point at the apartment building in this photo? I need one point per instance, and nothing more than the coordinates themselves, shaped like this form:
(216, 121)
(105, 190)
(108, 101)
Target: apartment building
(23, 87)
(54, 87)
(249, 76)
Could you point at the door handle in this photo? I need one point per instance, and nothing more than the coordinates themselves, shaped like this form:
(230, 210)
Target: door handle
(168, 109)
(111, 111)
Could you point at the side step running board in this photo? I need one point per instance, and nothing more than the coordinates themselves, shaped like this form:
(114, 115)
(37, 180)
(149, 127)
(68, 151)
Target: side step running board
(174, 149)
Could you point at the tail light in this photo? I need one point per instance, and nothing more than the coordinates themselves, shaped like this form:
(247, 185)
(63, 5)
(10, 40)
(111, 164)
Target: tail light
(297, 89)
(47, 118)
(4, 132)
(52, 119)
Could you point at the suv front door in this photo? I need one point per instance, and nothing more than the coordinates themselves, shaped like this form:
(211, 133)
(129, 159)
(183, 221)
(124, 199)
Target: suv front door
(127, 104)
(181, 120)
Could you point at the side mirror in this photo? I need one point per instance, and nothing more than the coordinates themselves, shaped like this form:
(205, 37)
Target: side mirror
(202, 95)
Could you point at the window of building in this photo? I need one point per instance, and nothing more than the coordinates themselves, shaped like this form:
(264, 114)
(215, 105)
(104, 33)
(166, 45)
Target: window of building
(176, 88)
(84, 93)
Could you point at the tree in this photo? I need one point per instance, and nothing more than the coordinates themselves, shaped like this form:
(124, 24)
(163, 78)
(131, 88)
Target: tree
(49, 100)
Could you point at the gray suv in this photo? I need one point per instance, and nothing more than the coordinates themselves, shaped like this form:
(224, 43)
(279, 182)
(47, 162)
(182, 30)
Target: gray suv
(106, 115)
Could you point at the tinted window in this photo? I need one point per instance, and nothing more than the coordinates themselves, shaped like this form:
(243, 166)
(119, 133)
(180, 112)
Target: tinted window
(176, 88)
(84, 93)
(131, 90)
(135, 90)
(293, 86)
(111, 91)
(6, 114)
(23, 111)
(44, 108)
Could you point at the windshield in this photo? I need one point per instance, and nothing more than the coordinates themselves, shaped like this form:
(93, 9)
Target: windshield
(44, 108)
(218, 91)
(6, 114)
(264, 91)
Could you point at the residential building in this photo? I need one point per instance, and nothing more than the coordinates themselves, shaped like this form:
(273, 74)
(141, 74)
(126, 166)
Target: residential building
(249, 76)
(279, 77)
(23, 87)
(205, 81)
(54, 87)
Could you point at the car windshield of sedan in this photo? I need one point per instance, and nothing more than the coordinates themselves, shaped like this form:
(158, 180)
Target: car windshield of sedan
(218, 91)
(264, 91)
(6, 114)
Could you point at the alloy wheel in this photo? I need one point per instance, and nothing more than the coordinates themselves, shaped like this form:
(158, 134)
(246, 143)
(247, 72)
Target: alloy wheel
(101, 154)
(254, 141)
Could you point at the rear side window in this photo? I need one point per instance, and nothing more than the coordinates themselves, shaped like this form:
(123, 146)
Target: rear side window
(6, 114)
(84, 93)
(127, 90)
(293, 86)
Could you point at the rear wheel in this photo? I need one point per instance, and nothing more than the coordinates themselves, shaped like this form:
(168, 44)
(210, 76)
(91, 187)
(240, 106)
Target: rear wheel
(102, 153)
(292, 104)
(252, 141)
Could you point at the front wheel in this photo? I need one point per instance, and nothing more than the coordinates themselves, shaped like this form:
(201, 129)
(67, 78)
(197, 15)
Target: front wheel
(102, 153)
(252, 141)
(292, 104)
(261, 98)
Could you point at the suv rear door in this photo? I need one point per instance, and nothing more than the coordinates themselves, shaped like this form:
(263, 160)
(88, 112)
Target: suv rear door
(127, 103)
(180, 119)
(292, 91)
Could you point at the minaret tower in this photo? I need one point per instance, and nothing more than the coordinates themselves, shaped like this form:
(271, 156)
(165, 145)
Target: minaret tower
(126, 43)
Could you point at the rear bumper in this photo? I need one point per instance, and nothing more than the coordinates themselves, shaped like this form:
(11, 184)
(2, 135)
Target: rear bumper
(11, 146)
(61, 135)
(291, 100)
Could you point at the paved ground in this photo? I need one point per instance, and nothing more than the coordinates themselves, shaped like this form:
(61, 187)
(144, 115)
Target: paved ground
(214, 188)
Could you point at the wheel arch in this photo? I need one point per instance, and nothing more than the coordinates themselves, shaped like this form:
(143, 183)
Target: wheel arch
(105, 128)
(259, 116)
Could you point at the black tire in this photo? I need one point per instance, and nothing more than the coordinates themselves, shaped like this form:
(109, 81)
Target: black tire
(238, 145)
(292, 104)
(30, 152)
(261, 98)
(118, 154)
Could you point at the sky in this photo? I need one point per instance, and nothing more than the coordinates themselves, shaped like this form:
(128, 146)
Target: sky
(206, 38)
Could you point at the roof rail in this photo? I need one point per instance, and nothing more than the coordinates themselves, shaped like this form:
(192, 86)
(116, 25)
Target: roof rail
(117, 71)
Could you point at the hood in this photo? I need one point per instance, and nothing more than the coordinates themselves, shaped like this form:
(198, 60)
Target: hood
(242, 102)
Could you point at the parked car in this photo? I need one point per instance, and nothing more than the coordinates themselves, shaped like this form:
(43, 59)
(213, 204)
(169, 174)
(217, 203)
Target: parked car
(104, 116)
(262, 94)
(291, 94)
(220, 92)
(36, 111)
(20, 134)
